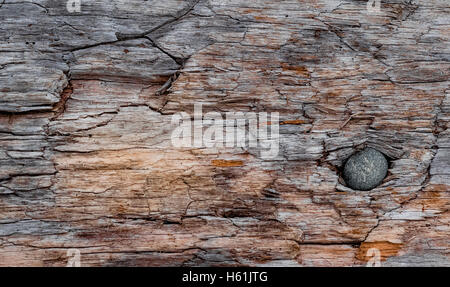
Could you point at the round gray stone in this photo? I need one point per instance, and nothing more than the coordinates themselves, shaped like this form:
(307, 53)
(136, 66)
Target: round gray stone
(365, 169)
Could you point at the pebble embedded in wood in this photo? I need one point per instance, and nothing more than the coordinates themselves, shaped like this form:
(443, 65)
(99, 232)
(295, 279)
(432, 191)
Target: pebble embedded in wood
(366, 169)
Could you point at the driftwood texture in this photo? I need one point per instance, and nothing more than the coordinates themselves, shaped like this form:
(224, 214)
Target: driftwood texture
(86, 160)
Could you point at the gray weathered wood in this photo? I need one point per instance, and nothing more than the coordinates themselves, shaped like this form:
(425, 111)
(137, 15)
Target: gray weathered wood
(86, 161)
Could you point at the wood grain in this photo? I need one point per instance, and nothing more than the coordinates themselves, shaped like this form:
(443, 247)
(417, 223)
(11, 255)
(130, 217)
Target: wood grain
(86, 102)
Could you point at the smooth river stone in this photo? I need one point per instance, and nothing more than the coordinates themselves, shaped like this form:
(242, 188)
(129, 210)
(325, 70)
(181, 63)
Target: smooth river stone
(365, 169)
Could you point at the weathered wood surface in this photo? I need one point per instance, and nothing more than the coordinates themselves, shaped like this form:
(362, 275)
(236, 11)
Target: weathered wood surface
(86, 160)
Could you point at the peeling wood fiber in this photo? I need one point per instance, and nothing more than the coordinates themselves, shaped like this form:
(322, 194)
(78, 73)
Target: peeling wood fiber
(86, 160)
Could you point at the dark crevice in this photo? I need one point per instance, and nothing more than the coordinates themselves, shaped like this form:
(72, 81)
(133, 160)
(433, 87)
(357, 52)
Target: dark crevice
(60, 107)
(124, 37)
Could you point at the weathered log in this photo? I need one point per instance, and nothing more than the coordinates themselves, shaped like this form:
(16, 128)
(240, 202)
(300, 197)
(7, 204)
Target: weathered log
(87, 161)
